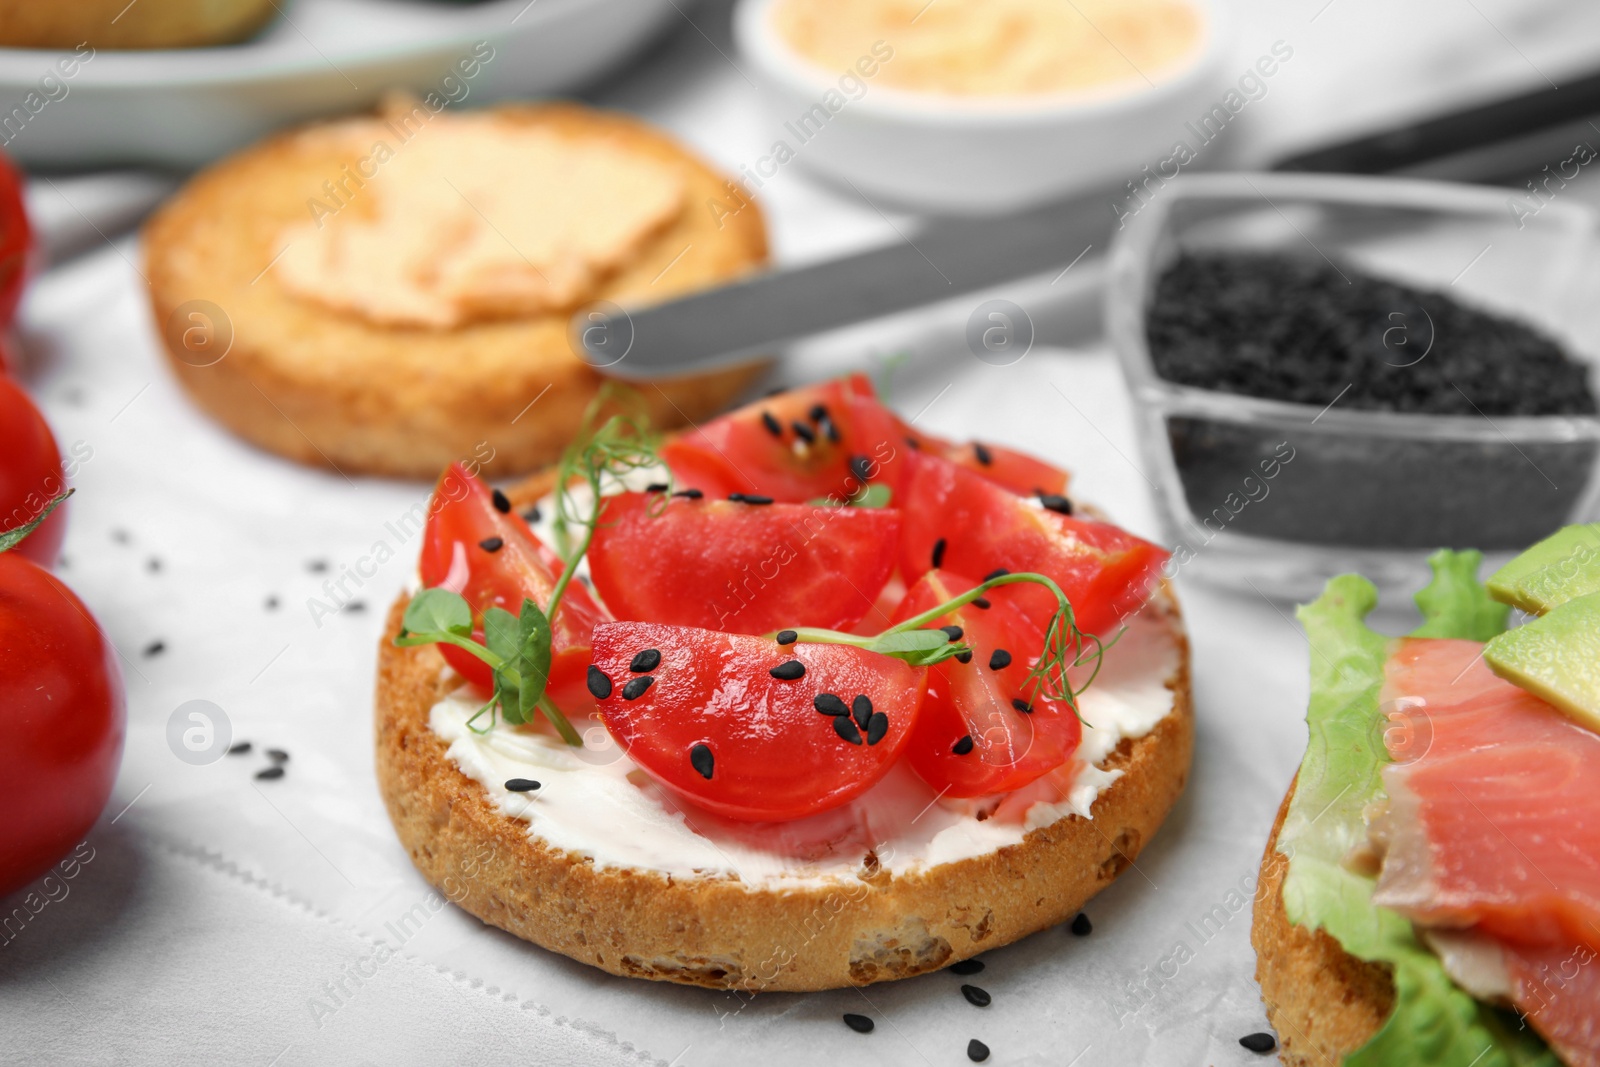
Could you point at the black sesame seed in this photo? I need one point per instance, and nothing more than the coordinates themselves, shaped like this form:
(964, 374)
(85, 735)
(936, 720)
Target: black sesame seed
(1022, 705)
(804, 432)
(977, 996)
(984, 455)
(877, 727)
(938, 553)
(963, 746)
(953, 632)
(787, 637)
(354, 607)
(272, 603)
(966, 967)
(701, 759)
(239, 749)
(1081, 926)
(689, 494)
(774, 427)
(316, 566)
(977, 1051)
(1055, 502)
(818, 412)
(1262, 1042)
(998, 572)
(861, 467)
(533, 515)
(636, 687)
(999, 659)
(964, 657)
(830, 704)
(270, 773)
(788, 671)
(657, 487)
(776, 390)
(599, 684)
(154, 648)
(277, 755)
(861, 710)
(829, 428)
(846, 729)
(121, 537)
(982, 602)
(502, 503)
(913, 444)
(153, 565)
(492, 544)
(521, 785)
(648, 660)
(859, 1023)
(749, 498)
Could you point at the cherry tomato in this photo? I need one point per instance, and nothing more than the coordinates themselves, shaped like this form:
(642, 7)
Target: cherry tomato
(16, 241)
(979, 700)
(805, 444)
(61, 720)
(715, 725)
(493, 559)
(747, 568)
(30, 474)
(1106, 572)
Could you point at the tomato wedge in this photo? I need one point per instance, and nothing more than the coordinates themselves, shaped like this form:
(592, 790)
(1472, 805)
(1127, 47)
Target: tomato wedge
(746, 568)
(978, 527)
(463, 522)
(972, 738)
(715, 725)
(1017, 471)
(801, 445)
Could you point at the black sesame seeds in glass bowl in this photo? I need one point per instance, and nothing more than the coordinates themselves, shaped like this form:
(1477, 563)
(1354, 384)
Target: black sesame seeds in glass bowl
(1338, 374)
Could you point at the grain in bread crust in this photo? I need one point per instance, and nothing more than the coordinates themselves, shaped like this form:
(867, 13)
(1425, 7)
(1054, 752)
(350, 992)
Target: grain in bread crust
(329, 388)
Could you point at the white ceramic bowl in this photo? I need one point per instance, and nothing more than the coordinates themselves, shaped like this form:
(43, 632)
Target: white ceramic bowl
(966, 155)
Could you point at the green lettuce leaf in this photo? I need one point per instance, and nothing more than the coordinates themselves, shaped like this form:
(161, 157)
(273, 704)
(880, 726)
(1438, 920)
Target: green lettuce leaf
(1433, 1022)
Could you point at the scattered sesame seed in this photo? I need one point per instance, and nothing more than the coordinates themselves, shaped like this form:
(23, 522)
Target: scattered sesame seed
(829, 428)
(984, 455)
(830, 704)
(121, 537)
(804, 432)
(964, 657)
(1022, 705)
(953, 632)
(877, 727)
(316, 566)
(913, 444)
(749, 498)
(636, 687)
(153, 565)
(846, 729)
(492, 544)
(776, 390)
(982, 602)
(787, 637)
(239, 749)
(154, 648)
(818, 412)
(277, 755)
(1055, 502)
(859, 1023)
(938, 553)
(861, 467)
(689, 494)
(977, 1051)
(861, 710)
(977, 996)
(999, 659)
(270, 773)
(521, 785)
(502, 503)
(355, 607)
(599, 684)
(272, 603)
(963, 746)
(774, 427)
(657, 487)
(1262, 1042)
(533, 515)
(965, 967)
(1081, 926)
(998, 572)
(788, 671)
(646, 661)
(701, 759)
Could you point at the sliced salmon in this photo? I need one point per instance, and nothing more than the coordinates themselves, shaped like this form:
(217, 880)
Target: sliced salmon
(1556, 989)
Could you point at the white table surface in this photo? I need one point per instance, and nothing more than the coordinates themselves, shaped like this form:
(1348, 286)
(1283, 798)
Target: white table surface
(220, 915)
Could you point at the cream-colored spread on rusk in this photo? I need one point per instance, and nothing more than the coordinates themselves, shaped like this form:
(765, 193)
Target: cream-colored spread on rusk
(986, 48)
(477, 217)
(597, 803)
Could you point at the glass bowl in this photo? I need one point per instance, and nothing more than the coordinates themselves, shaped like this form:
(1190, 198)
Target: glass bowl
(1281, 496)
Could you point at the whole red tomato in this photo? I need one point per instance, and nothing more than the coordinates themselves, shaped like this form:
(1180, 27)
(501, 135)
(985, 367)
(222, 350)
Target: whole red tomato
(16, 240)
(30, 474)
(62, 720)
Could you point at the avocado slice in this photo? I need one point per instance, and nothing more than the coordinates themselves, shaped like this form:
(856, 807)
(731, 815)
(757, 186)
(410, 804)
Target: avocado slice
(1562, 567)
(1556, 657)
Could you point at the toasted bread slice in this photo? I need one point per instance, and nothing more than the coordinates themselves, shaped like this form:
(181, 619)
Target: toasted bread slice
(119, 24)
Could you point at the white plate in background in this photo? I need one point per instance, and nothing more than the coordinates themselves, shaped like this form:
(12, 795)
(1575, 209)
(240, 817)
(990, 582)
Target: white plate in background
(184, 107)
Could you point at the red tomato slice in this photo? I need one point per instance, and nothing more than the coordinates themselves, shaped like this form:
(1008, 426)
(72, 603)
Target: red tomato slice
(1017, 471)
(1106, 572)
(745, 568)
(715, 726)
(16, 241)
(461, 519)
(976, 700)
(797, 446)
(30, 474)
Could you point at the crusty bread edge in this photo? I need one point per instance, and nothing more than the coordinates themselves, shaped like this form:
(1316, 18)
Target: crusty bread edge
(1323, 1002)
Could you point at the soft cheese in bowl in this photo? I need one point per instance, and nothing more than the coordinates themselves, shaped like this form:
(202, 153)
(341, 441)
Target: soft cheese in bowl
(982, 105)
